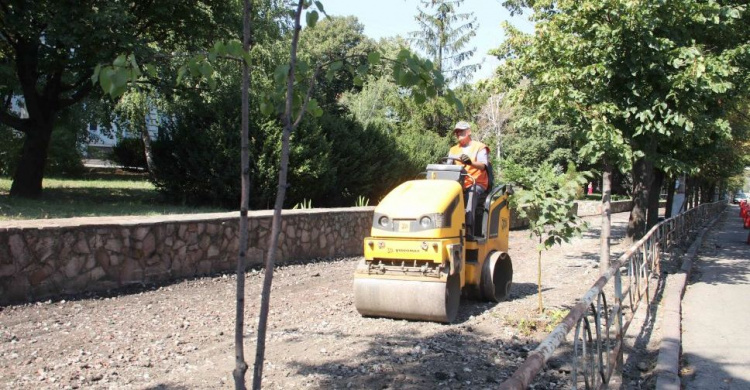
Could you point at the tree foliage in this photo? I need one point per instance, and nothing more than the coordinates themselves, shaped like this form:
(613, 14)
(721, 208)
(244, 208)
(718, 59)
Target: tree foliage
(50, 50)
(547, 201)
(637, 80)
(444, 35)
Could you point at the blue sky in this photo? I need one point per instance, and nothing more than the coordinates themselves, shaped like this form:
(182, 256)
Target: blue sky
(384, 18)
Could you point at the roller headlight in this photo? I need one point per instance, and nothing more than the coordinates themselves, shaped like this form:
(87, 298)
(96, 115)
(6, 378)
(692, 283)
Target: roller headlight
(425, 222)
(384, 221)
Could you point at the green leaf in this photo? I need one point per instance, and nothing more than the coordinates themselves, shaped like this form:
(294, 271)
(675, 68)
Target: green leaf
(320, 6)
(119, 78)
(105, 79)
(419, 98)
(120, 60)
(266, 108)
(219, 48)
(95, 76)
(206, 69)
(358, 81)
(403, 54)
(194, 67)
(313, 108)
(431, 92)
(234, 47)
(312, 18)
(133, 63)
(280, 74)
(330, 74)
(373, 57)
(337, 65)
(150, 70)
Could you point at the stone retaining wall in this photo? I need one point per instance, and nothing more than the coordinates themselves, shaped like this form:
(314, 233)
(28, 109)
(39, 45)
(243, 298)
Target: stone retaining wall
(44, 258)
(594, 207)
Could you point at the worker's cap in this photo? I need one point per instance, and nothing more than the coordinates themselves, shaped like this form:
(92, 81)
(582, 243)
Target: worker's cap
(462, 126)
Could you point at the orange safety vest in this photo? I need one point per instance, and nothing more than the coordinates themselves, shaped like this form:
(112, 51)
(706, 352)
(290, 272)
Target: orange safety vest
(480, 175)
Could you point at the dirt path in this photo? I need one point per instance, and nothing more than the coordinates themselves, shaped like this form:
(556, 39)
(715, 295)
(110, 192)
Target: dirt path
(180, 336)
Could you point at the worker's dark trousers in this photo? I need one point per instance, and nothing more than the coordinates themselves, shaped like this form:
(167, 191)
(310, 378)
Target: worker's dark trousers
(474, 209)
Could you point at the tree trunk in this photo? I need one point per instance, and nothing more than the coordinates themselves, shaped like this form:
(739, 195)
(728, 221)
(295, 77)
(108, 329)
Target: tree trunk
(710, 192)
(690, 193)
(146, 138)
(280, 195)
(240, 366)
(539, 277)
(670, 198)
(27, 180)
(606, 219)
(642, 170)
(654, 198)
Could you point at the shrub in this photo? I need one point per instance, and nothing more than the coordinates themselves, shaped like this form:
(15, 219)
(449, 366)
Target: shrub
(10, 150)
(130, 153)
(64, 157)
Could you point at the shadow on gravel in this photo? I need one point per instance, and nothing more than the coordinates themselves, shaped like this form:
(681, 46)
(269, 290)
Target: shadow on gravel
(166, 386)
(457, 358)
(522, 290)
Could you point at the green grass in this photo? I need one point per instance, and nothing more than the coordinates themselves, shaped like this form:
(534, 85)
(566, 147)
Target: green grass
(96, 195)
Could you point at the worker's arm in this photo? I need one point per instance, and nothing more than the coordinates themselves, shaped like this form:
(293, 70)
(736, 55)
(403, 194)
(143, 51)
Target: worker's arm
(481, 161)
(478, 165)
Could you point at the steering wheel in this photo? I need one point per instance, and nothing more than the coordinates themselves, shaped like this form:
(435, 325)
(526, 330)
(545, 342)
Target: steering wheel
(446, 160)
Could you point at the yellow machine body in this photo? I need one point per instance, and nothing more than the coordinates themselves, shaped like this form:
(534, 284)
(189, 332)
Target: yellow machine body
(419, 258)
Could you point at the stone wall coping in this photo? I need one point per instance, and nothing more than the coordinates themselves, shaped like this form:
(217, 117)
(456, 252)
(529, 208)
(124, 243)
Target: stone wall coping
(135, 220)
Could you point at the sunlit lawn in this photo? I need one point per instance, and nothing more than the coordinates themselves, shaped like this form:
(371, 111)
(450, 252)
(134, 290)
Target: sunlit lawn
(95, 195)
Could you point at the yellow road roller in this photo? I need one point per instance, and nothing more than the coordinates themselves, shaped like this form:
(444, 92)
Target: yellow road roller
(422, 255)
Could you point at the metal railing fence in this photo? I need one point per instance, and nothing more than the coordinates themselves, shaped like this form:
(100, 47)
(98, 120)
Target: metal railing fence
(600, 324)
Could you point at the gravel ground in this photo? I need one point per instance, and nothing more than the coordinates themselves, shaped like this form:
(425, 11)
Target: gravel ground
(180, 336)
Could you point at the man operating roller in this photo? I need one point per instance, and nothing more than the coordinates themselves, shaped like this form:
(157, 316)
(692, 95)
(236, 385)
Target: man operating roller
(474, 156)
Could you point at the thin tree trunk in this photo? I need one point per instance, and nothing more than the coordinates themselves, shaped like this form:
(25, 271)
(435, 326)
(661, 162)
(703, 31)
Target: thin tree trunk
(27, 180)
(240, 367)
(670, 198)
(146, 138)
(539, 276)
(280, 195)
(604, 262)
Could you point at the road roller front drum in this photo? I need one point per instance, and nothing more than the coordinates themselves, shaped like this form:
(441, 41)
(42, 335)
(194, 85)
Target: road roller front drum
(408, 299)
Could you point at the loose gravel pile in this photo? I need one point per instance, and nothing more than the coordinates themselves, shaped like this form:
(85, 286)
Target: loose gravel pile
(181, 336)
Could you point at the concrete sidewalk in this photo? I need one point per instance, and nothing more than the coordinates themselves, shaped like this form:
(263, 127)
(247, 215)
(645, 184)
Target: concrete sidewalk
(716, 310)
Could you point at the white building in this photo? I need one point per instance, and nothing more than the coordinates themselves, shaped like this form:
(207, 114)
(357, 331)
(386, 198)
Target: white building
(101, 138)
